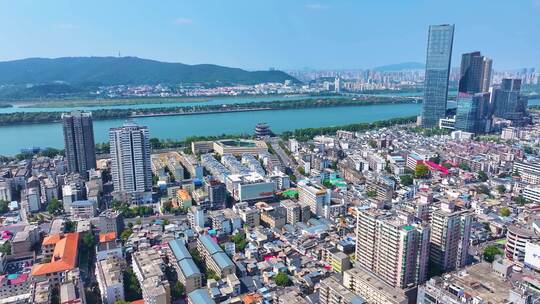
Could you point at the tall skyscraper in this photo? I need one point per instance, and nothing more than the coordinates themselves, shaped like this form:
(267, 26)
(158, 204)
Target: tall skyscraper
(79, 141)
(131, 167)
(450, 234)
(475, 74)
(509, 103)
(394, 247)
(439, 55)
(474, 113)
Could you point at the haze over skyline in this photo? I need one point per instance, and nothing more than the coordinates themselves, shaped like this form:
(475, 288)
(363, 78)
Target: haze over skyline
(263, 34)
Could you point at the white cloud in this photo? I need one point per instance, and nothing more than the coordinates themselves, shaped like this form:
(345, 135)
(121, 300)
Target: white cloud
(315, 6)
(182, 21)
(67, 26)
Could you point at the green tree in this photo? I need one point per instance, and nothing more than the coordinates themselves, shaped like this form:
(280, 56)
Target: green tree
(155, 143)
(211, 275)
(239, 241)
(126, 234)
(132, 289)
(504, 211)
(196, 257)
(327, 184)
(447, 165)
(177, 290)
(51, 152)
(421, 171)
(371, 193)
(282, 279)
(88, 240)
(6, 248)
(55, 207)
(4, 207)
(482, 189)
(55, 296)
(482, 176)
(490, 252)
(70, 226)
(167, 207)
(436, 159)
(465, 167)
(501, 189)
(406, 180)
(520, 200)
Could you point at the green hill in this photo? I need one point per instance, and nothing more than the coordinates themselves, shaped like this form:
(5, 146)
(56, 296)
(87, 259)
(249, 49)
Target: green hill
(126, 70)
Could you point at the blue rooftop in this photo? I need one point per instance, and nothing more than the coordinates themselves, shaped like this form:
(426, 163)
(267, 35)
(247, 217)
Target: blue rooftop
(200, 296)
(183, 258)
(219, 256)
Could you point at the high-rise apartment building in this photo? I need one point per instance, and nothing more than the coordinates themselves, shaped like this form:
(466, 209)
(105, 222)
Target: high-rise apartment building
(131, 166)
(79, 141)
(439, 55)
(395, 247)
(450, 234)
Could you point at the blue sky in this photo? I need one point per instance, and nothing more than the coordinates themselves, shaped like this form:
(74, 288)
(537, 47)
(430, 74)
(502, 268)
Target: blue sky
(258, 34)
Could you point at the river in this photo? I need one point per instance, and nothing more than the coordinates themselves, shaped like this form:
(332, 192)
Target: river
(15, 138)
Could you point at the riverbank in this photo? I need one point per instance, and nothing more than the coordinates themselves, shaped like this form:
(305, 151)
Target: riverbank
(127, 101)
(20, 118)
(302, 134)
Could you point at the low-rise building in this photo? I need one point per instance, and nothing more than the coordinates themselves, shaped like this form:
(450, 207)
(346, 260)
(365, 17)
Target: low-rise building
(109, 275)
(149, 268)
(199, 296)
(214, 257)
(188, 273)
(371, 288)
(61, 252)
(331, 291)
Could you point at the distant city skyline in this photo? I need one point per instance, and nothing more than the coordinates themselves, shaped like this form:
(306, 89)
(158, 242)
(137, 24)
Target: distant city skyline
(263, 34)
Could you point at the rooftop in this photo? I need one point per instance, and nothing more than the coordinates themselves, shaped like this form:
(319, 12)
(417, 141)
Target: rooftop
(221, 258)
(107, 237)
(200, 296)
(476, 281)
(183, 258)
(64, 255)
